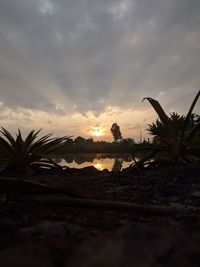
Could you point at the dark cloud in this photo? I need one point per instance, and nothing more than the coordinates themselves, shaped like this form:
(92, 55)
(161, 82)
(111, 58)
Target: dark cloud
(92, 54)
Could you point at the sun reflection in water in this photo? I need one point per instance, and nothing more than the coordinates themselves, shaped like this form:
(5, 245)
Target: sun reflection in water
(99, 166)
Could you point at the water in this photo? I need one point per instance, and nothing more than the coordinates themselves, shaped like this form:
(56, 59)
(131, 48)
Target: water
(112, 162)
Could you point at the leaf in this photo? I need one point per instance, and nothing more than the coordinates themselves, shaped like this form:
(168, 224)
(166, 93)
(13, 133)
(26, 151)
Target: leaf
(29, 139)
(187, 119)
(3, 165)
(162, 115)
(193, 132)
(28, 154)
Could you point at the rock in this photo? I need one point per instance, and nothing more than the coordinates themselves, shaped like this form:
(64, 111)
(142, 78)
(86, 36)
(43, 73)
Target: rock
(196, 194)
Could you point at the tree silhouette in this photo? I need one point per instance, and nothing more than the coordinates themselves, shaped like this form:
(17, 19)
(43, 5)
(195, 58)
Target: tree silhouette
(115, 130)
(79, 140)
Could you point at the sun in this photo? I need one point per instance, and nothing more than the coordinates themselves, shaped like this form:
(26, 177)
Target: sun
(99, 166)
(97, 131)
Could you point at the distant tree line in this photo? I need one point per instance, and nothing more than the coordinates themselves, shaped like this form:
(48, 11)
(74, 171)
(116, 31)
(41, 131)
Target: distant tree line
(122, 145)
(82, 145)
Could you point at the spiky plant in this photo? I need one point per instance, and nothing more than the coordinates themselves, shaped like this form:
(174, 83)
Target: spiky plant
(29, 153)
(177, 137)
(158, 129)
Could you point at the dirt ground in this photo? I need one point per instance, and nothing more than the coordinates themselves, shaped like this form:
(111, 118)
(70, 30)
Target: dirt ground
(54, 234)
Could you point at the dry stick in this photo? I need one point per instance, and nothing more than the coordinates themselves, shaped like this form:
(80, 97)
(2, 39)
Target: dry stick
(46, 195)
(112, 205)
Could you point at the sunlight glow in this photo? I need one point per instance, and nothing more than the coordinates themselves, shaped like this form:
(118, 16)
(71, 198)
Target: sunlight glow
(99, 166)
(97, 131)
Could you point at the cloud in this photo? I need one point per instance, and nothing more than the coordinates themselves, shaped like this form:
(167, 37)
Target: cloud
(79, 56)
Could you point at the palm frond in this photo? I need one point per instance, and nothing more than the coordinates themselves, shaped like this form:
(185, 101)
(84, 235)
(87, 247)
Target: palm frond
(162, 115)
(190, 112)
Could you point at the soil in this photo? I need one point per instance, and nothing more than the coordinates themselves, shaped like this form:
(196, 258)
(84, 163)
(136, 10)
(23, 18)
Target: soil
(57, 235)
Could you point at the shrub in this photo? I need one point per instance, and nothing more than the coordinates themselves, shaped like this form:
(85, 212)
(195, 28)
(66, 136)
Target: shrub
(176, 138)
(29, 153)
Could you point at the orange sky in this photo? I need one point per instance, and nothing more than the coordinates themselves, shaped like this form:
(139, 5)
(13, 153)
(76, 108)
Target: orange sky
(131, 122)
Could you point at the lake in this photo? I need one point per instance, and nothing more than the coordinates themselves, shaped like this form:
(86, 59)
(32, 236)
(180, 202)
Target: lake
(112, 162)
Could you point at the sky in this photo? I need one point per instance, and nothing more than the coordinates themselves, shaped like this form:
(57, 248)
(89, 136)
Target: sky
(75, 67)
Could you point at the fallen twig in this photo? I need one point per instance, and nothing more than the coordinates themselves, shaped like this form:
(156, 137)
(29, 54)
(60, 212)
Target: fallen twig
(145, 209)
(43, 194)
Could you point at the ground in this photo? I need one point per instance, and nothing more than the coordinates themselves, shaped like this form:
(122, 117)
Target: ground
(35, 234)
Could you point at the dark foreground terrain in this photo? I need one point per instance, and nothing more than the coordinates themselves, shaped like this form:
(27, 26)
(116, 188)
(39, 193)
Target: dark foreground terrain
(161, 229)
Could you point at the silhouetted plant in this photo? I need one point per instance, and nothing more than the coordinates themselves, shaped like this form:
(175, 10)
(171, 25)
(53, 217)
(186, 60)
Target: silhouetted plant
(29, 153)
(158, 129)
(177, 138)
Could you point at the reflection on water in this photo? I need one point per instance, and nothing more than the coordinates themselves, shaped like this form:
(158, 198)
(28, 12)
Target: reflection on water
(117, 166)
(112, 162)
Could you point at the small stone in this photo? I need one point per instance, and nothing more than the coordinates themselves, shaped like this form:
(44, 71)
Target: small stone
(196, 194)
